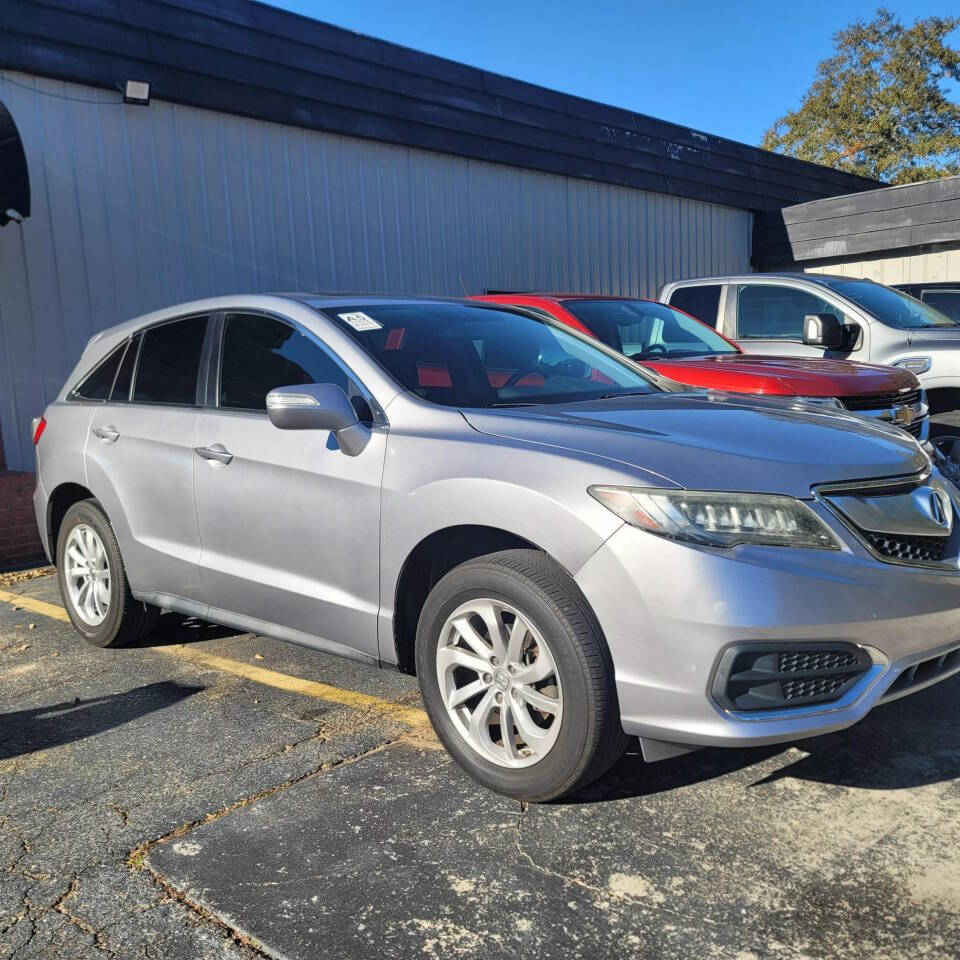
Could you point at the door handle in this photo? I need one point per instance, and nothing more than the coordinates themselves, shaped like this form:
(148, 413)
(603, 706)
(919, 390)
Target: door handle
(108, 434)
(216, 454)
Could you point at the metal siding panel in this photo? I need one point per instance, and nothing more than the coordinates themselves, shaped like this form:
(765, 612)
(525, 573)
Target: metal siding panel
(137, 207)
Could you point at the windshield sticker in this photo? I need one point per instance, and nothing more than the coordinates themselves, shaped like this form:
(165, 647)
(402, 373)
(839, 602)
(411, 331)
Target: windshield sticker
(360, 321)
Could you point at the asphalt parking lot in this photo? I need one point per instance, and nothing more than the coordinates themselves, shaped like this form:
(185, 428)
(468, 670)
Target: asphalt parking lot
(219, 795)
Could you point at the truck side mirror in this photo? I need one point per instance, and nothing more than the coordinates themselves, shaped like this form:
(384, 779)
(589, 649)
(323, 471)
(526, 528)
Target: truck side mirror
(823, 330)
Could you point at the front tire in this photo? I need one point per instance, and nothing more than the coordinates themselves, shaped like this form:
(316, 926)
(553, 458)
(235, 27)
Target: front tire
(517, 678)
(93, 581)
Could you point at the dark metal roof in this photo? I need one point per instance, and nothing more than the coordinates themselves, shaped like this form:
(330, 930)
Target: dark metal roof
(254, 60)
(14, 177)
(912, 218)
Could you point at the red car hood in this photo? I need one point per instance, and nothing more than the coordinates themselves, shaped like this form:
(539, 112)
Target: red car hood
(786, 376)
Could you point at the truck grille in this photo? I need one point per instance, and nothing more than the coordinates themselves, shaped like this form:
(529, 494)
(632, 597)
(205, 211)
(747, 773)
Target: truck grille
(883, 405)
(887, 400)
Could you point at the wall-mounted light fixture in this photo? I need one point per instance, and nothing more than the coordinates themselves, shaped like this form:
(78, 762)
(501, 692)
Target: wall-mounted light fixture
(136, 91)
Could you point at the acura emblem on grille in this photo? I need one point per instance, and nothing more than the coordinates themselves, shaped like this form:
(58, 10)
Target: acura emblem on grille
(937, 511)
(903, 416)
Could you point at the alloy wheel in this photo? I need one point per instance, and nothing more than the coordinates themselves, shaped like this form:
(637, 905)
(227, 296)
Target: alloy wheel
(87, 574)
(499, 683)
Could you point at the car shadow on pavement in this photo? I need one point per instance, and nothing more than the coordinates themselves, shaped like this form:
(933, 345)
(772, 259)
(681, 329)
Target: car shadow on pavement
(905, 744)
(177, 628)
(27, 731)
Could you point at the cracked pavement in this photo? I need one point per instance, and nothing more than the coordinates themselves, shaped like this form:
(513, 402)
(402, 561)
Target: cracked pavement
(154, 806)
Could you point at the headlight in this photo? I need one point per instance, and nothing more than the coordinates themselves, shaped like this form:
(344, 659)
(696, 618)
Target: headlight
(914, 364)
(718, 519)
(832, 402)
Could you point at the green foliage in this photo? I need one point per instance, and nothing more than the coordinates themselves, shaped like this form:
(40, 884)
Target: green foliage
(878, 106)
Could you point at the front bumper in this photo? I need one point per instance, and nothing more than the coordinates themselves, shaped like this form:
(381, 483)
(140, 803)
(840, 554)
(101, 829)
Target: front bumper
(669, 610)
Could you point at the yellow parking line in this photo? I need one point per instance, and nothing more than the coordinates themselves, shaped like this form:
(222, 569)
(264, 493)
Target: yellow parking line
(411, 716)
(52, 610)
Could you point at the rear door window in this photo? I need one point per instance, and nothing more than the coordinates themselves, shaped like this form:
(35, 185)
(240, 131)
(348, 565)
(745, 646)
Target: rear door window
(169, 365)
(701, 302)
(766, 311)
(946, 301)
(99, 382)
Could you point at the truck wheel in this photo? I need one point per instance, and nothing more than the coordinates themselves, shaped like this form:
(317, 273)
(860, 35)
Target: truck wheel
(93, 581)
(517, 678)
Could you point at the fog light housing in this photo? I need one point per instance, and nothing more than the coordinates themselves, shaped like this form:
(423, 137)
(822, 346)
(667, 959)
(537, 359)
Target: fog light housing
(776, 676)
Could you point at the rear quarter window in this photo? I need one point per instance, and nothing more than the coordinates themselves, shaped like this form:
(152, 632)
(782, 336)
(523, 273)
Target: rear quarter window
(99, 382)
(701, 302)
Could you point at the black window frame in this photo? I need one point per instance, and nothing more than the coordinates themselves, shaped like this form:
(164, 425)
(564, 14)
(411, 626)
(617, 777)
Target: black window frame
(75, 397)
(202, 371)
(134, 342)
(211, 398)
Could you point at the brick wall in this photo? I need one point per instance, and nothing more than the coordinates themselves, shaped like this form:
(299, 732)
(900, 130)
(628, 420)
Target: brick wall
(19, 539)
(3, 462)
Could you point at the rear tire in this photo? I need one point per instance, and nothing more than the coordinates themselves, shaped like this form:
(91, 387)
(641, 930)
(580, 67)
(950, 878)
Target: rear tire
(93, 581)
(553, 676)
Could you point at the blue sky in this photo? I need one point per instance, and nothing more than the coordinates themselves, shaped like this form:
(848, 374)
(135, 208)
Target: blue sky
(728, 69)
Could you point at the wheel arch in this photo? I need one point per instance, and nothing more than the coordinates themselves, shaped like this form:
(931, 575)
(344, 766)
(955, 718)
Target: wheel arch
(431, 559)
(943, 399)
(61, 499)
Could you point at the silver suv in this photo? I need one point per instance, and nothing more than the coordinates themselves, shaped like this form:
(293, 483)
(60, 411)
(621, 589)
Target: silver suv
(564, 548)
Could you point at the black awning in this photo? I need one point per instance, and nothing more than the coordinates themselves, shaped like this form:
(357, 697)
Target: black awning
(14, 178)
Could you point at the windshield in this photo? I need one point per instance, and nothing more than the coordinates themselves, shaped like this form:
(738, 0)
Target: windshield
(889, 306)
(645, 331)
(463, 355)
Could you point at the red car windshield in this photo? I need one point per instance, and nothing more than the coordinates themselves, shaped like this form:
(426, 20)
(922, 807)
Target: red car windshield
(645, 330)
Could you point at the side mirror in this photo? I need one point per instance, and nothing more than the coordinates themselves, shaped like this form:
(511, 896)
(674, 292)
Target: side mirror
(318, 406)
(823, 330)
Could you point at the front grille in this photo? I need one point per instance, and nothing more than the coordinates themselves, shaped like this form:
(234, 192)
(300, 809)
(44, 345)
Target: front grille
(909, 520)
(767, 676)
(881, 403)
(924, 672)
(908, 549)
(886, 400)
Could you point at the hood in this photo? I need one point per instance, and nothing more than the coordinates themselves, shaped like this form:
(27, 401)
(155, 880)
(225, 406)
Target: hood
(716, 441)
(787, 376)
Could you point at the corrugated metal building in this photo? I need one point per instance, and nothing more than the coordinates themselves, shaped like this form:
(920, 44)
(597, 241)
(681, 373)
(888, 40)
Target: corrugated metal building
(280, 153)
